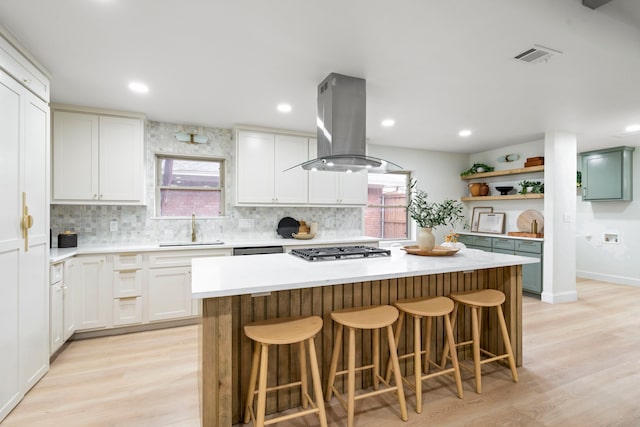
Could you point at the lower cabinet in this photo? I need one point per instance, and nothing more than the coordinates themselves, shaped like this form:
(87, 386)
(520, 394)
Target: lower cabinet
(92, 286)
(68, 299)
(169, 293)
(56, 308)
(531, 273)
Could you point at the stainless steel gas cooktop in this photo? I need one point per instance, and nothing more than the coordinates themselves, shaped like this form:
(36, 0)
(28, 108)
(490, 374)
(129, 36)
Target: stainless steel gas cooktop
(342, 252)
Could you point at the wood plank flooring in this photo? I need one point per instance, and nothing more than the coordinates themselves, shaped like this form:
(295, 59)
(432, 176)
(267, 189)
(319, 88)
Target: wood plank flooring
(581, 367)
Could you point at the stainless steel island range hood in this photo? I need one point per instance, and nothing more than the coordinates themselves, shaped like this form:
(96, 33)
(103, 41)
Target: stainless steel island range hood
(341, 125)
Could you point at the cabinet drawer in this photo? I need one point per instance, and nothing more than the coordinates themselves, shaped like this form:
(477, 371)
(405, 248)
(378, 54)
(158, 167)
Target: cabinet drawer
(482, 241)
(127, 283)
(127, 311)
(55, 273)
(528, 246)
(500, 243)
(466, 239)
(127, 261)
(183, 258)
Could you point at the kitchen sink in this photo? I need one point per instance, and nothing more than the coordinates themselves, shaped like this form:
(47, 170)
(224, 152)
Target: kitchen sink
(204, 243)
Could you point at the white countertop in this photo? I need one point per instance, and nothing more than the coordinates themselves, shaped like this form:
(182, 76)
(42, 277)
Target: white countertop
(60, 254)
(226, 276)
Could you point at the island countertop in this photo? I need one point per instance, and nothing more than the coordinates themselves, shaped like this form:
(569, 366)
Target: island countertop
(229, 276)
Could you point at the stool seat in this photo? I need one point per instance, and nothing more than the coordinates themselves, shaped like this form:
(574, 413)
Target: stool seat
(374, 317)
(482, 298)
(421, 307)
(284, 330)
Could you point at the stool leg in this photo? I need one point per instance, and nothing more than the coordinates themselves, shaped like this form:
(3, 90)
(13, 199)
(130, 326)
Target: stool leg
(454, 355)
(399, 324)
(252, 382)
(417, 348)
(507, 344)
(445, 350)
(317, 385)
(396, 372)
(351, 378)
(262, 385)
(303, 376)
(376, 359)
(475, 333)
(427, 345)
(337, 343)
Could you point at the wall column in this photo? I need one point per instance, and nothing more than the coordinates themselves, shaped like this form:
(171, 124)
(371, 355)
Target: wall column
(559, 277)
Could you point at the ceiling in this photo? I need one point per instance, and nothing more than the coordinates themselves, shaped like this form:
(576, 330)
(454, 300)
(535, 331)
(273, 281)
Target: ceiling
(434, 66)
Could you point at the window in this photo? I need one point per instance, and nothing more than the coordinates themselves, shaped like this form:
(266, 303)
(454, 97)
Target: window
(386, 213)
(187, 185)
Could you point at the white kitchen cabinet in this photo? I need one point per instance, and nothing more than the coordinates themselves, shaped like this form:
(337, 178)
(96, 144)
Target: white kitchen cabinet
(261, 161)
(169, 293)
(24, 259)
(68, 298)
(127, 289)
(337, 188)
(56, 307)
(93, 283)
(97, 159)
(127, 311)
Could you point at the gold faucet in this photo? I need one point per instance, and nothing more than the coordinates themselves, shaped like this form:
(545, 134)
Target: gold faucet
(193, 227)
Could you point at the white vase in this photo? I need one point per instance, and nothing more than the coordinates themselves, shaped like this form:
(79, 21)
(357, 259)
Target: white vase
(426, 239)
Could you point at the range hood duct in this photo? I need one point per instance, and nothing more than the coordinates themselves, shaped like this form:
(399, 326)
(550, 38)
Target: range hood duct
(341, 125)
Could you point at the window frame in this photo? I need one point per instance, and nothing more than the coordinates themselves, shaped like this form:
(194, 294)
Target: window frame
(408, 219)
(158, 188)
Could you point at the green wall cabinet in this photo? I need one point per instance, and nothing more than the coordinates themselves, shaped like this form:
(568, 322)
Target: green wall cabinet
(531, 273)
(607, 175)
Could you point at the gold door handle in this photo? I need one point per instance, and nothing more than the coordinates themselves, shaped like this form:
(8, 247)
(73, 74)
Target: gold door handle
(27, 221)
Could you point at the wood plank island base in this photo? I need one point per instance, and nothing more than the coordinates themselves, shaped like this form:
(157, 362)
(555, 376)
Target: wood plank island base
(241, 290)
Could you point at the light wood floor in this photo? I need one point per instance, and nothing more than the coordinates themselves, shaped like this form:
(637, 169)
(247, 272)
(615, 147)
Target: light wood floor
(581, 368)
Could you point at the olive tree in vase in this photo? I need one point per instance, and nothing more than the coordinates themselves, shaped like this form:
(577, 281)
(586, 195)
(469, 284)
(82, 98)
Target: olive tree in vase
(429, 215)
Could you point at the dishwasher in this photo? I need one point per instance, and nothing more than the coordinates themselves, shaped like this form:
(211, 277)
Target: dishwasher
(258, 250)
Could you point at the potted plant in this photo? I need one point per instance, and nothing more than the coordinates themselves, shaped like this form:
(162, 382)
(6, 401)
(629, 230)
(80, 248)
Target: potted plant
(535, 187)
(429, 215)
(477, 168)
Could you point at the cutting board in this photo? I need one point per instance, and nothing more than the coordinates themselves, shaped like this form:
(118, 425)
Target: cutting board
(525, 219)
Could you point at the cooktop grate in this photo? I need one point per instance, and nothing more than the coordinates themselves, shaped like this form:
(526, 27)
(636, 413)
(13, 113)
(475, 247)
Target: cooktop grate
(342, 252)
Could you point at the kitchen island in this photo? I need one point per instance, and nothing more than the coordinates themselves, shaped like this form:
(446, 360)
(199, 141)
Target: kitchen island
(241, 290)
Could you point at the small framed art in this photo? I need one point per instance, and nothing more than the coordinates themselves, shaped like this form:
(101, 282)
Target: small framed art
(491, 222)
(476, 216)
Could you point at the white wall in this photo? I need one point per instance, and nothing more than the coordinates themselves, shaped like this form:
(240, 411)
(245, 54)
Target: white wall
(617, 263)
(436, 172)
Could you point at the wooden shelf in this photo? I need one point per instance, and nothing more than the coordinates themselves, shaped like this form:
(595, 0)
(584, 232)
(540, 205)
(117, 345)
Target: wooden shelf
(507, 197)
(503, 173)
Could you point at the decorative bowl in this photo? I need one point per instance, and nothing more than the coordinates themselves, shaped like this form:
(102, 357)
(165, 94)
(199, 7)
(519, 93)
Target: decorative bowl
(504, 190)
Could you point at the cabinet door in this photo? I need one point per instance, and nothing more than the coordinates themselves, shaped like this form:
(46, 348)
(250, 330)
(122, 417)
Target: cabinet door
(75, 156)
(353, 188)
(290, 186)
(121, 159)
(92, 283)
(532, 274)
(255, 162)
(602, 176)
(323, 186)
(169, 293)
(56, 320)
(68, 303)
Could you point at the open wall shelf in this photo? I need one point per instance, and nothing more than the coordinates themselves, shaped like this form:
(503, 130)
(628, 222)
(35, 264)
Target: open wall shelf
(507, 197)
(518, 171)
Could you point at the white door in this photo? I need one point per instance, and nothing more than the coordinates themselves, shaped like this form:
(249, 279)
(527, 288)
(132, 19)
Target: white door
(75, 156)
(94, 300)
(68, 296)
(169, 295)
(323, 186)
(255, 162)
(353, 188)
(121, 159)
(56, 317)
(10, 241)
(290, 186)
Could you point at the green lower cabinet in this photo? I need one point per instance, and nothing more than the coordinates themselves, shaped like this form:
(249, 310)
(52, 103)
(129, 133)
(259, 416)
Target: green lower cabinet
(532, 274)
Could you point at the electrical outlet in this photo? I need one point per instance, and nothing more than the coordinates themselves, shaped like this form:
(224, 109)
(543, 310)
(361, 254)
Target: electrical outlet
(113, 225)
(246, 223)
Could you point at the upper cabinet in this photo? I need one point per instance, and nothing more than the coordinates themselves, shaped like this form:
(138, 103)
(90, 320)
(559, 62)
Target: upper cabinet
(336, 188)
(23, 71)
(607, 175)
(261, 161)
(97, 158)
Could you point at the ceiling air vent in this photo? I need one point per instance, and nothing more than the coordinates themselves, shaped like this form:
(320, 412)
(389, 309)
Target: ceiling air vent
(536, 54)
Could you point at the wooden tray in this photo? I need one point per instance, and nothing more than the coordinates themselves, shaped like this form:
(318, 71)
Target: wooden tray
(303, 236)
(436, 251)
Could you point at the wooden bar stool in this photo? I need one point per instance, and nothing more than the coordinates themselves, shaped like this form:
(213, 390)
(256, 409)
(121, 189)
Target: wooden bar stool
(477, 300)
(284, 331)
(374, 318)
(418, 309)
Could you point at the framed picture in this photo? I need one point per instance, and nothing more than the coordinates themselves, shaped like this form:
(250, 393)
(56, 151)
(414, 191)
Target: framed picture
(491, 222)
(476, 216)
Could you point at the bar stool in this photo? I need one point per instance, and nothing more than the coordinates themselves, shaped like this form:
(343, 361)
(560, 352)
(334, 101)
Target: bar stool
(372, 318)
(284, 331)
(477, 300)
(426, 308)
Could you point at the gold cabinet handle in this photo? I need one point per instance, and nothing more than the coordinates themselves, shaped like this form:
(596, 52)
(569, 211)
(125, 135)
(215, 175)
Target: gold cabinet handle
(26, 222)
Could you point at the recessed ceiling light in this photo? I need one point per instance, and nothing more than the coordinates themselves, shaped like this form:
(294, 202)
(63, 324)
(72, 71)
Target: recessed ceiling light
(464, 133)
(284, 108)
(388, 122)
(632, 128)
(138, 87)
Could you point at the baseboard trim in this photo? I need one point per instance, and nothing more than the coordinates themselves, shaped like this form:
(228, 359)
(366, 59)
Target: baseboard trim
(619, 280)
(558, 298)
(134, 328)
